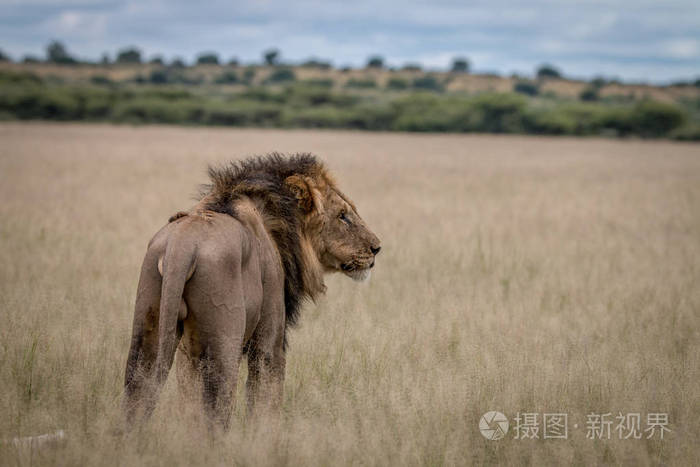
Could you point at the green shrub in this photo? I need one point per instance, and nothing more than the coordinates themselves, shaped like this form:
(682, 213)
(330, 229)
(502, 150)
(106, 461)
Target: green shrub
(655, 119)
(281, 75)
(589, 94)
(690, 132)
(41, 103)
(158, 77)
(98, 108)
(397, 84)
(242, 112)
(263, 94)
(19, 77)
(549, 122)
(305, 95)
(499, 112)
(526, 87)
(319, 82)
(371, 117)
(180, 76)
(153, 110)
(248, 75)
(227, 77)
(308, 104)
(361, 83)
(427, 82)
(324, 116)
(101, 80)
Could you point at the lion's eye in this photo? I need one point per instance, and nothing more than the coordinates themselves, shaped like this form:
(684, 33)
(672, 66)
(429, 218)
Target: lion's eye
(343, 217)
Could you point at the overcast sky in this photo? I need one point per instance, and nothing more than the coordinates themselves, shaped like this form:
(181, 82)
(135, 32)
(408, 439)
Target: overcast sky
(637, 40)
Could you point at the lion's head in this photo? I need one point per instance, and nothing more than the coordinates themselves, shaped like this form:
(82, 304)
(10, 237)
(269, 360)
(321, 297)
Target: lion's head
(340, 238)
(315, 227)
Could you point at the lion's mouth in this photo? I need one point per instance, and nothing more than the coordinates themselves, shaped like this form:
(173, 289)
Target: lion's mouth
(357, 269)
(359, 275)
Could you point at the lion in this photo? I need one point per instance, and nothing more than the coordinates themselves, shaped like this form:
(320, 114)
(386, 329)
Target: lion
(226, 279)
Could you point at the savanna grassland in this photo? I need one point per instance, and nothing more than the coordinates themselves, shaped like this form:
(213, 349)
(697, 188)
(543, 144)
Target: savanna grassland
(517, 274)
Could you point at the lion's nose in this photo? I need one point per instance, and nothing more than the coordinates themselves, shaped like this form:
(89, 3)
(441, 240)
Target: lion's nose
(374, 249)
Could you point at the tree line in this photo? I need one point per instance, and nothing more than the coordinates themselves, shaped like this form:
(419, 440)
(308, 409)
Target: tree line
(57, 53)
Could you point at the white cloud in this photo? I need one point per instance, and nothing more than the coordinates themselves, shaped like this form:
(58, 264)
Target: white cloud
(683, 48)
(77, 24)
(638, 39)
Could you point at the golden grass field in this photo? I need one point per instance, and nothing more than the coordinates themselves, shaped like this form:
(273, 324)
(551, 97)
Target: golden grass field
(517, 274)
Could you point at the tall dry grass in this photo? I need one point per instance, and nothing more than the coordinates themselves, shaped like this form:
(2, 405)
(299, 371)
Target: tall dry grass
(517, 274)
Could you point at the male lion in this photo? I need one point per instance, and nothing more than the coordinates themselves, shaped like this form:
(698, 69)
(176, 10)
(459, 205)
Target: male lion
(227, 278)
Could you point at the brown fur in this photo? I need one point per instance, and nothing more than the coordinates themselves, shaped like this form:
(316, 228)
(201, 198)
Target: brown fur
(228, 277)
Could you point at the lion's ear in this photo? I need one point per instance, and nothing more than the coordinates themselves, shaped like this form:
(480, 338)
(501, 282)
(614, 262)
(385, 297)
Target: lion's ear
(306, 193)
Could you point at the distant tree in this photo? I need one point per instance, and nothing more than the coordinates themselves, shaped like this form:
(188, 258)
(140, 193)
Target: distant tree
(589, 94)
(248, 75)
(526, 87)
(105, 59)
(460, 65)
(207, 58)
(271, 57)
(598, 82)
(31, 59)
(315, 63)
(233, 61)
(157, 60)
(4, 57)
(129, 55)
(178, 63)
(158, 77)
(548, 71)
(375, 61)
(56, 53)
(412, 67)
(697, 83)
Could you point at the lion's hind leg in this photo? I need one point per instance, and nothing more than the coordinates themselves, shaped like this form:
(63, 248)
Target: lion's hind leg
(218, 307)
(138, 385)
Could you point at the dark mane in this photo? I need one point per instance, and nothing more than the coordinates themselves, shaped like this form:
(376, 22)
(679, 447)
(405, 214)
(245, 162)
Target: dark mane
(262, 178)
